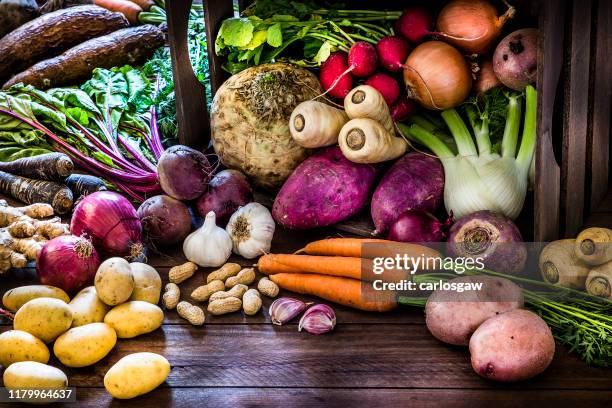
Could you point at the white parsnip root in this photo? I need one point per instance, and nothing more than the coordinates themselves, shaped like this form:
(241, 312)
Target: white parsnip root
(315, 124)
(365, 101)
(367, 141)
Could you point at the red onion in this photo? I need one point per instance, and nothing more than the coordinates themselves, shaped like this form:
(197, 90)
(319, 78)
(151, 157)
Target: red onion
(111, 222)
(165, 220)
(418, 226)
(68, 262)
(227, 191)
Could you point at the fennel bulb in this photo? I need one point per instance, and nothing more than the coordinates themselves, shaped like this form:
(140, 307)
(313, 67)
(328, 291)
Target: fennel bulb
(477, 178)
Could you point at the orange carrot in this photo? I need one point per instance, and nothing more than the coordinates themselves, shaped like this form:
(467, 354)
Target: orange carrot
(127, 8)
(144, 4)
(326, 265)
(354, 247)
(268, 264)
(344, 291)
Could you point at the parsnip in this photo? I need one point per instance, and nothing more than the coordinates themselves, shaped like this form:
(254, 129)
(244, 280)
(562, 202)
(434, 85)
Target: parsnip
(365, 101)
(366, 141)
(594, 246)
(599, 281)
(560, 266)
(315, 124)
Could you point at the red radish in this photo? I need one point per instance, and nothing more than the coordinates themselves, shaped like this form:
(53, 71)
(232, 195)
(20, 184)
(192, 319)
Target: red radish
(386, 85)
(403, 108)
(334, 75)
(414, 24)
(362, 59)
(392, 52)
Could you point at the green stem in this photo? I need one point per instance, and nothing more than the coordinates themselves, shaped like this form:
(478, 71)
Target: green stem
(528, 142)
(511, 130)
(481, 130)
(465, 144)
(341, 31)
(373, 27)
(422, 136)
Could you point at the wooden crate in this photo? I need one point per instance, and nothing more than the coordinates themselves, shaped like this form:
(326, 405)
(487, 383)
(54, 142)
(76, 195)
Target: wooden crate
(572, 159)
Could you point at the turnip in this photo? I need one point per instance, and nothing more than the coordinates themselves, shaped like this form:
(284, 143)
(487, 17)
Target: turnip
(490, 237)
(515, 59)
(335, 77)
(324, 190)
(164, 219)
(414, 182)
(392, 52)
(452, 316)
(386, 85)
(512, 346)
(183, 172)
(227, 191)
(414, 24)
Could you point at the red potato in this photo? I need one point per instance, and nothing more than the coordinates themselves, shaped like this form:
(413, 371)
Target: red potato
(513, 346)
(452, 316)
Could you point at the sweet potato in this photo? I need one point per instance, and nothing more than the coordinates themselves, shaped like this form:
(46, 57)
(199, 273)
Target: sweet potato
(512, 346)
(52, 34)
(453, 316)
(325, 189)
(128, 46)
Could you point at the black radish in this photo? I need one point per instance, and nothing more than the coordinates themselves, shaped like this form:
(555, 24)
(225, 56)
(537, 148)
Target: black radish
(50, 166)
(32, 191)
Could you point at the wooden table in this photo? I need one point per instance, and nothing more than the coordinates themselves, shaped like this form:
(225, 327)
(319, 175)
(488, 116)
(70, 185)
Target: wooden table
(368, 360)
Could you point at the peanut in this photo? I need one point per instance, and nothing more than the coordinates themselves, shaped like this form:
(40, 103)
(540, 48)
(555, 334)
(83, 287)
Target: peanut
(237, 291)
(202, 293)
(191, 313)
(171, 296)
(251, 302)
(267, 287)
(181, 273)
(245, 276)
(223, 306)
(227, 270)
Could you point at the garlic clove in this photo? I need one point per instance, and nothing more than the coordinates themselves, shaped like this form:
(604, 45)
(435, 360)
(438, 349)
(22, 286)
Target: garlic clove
(318, 319)
(282, 310)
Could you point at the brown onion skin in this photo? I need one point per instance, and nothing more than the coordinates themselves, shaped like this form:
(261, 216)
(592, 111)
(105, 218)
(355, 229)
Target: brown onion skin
(485, 78)
(437, 76)
(515, 61)
(471, 25)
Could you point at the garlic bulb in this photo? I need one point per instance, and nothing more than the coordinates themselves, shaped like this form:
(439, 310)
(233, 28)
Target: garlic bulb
(251, 228)
(209, 245)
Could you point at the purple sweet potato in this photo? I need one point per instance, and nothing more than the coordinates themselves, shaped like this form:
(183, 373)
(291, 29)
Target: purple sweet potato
(324, 189)
(414, 182)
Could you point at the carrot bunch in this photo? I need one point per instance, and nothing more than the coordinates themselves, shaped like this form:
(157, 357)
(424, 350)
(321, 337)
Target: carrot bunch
(332, 269)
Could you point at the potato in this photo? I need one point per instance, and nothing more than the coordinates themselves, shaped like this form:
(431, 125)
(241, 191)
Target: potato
(45, 318)
(31, 374)
(87, 307)
(17, 345)
(85, 345)
(134, 318)
(512, 346)
(136, 374)
(147, 283)
(15, 298)
(452, 316)
(114, 281)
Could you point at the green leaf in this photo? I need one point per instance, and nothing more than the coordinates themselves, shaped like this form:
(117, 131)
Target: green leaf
(285, 18)
(236, 32)
(275, 35)
(323, 53)
(258, 38)
(11, 153)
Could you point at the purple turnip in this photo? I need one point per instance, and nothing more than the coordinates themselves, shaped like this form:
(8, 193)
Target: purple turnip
(165, 220)
(414, 182)
(491, 237)
(227, 191)
(515, 59)
(183, 172)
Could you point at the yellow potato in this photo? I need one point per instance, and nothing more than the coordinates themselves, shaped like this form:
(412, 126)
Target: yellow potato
(136, 374)
(147, 283)
(15, 298)
(87, 307)
(134, 318)
(17, 345)
(114, 281)
(85, 345)
(31, 374)
(45, 318)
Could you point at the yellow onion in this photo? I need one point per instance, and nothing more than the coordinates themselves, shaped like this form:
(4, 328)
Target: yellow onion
(485, 78)
(437, 75)
(471, 25)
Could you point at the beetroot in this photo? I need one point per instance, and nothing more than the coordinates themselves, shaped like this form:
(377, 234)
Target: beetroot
(414, 182)
(414, 24)
(324, 190)
(183, 172)
(392, 52)
(491, 237)
(165, 220)
(515, 60)
(403, 108)
(334, 76)
(227, 191)
(418, 226)
(362, 59)
(386, 85)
